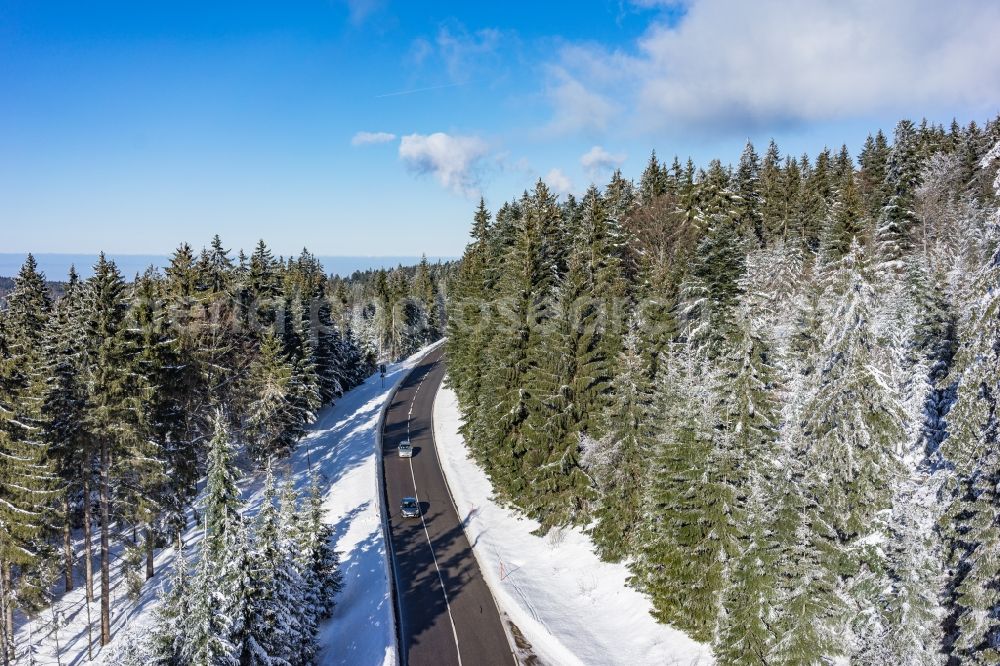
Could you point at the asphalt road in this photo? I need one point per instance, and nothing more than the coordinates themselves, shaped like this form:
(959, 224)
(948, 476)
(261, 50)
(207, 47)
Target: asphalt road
(448, 615)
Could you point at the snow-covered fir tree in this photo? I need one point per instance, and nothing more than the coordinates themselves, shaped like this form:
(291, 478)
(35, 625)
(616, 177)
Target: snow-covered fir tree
(792, 453)
(109, 396)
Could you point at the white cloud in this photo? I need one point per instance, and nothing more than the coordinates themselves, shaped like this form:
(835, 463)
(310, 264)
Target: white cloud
(742, 64)
(461, 56)
(465, 53)
(578, 107)
(558, 182)
(365, 138)
(598, 161)
(453, 160)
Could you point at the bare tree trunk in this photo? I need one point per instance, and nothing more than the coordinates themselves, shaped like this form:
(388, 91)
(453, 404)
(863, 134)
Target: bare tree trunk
(7, 589)
(67, 543)
(56, 620)
(105, 501)
(6, 644)
(90, 634)
(88, 547)
(150, 538)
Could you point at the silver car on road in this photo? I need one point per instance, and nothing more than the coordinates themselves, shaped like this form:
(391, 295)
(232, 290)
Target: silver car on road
(409, 507)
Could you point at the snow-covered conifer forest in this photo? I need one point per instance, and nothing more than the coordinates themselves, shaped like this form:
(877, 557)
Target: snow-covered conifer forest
(130, 410)
(770, 388)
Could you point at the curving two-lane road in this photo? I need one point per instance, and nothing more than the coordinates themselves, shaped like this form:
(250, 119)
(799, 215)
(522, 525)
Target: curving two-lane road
(447, 614)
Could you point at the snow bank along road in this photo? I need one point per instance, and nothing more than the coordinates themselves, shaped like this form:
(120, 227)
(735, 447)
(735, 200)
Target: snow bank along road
(446, 612)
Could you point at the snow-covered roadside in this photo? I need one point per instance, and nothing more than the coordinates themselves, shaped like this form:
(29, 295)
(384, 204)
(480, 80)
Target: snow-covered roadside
(572, 607)
(342, 447)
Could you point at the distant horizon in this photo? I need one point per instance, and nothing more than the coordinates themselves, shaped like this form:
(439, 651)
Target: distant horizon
(56, 265)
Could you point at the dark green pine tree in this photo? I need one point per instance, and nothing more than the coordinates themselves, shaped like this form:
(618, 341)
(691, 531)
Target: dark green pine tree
(467, 328)
(220, 339)
(749, 216)
(854, 426)
(973, 446)
(679, 561)
(571, 218)
(561, 385)
(603, 304)
(653, 183)
(305, 391)
(808, 626)
(549, 439)
(620, 204)
(749, 405)
(772, 194)
(184, 394)
(717, 268)
(746, 635)
(272, 630)
(319, 561)
(64, 410)
(935, 328)
(954, 136)
(872, 183)
(263, 287)
(300, 586)
(239, 582)
(843, 165)
(853, 415)
(972, 147)
(660, 311)
(170, 635)
(114, 400)
(555, 243)
(425, 292)
(28, 484)
(148, 492)
(502, 239)
(270, 412)
(845, 221)
(526, 276)
(209, 631)
(216, 269)
(222, 494)
(896, 232)
(787, 215)
(328, 353)
(402, 317)
(619, 469)
(816, 199)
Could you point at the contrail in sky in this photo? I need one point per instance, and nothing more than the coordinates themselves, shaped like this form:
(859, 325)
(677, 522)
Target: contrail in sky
(417, 90)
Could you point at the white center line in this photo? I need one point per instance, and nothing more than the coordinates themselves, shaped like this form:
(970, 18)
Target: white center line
(413, 476)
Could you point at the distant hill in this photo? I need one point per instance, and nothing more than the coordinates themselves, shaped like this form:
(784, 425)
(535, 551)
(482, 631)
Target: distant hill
(7, 285)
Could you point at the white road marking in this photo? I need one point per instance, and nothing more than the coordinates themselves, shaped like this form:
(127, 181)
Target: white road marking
(413, 476)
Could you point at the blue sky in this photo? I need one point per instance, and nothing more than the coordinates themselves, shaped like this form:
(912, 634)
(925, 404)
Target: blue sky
(371, 127)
